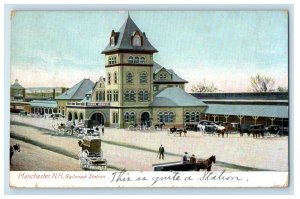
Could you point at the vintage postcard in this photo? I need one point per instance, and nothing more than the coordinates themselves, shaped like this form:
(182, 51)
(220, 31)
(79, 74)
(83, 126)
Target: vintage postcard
(149, 99)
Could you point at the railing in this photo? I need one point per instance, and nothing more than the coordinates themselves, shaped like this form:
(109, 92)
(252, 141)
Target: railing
(88, 104)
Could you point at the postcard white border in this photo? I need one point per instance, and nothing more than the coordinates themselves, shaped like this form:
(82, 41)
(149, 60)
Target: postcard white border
(225, 191)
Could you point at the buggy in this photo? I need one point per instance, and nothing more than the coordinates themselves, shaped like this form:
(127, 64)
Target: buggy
(91, 156)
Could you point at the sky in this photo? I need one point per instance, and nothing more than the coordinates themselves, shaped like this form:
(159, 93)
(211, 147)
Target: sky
(60, 48)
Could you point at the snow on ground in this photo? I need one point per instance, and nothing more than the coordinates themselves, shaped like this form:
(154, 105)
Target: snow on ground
(269, 153)
(33, 158)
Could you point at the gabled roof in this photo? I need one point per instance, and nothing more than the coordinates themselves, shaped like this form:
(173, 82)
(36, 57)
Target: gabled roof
(175, 78)
(249, 110)
(123, 37)
(16, 85)
(78, 91)
(175, 97)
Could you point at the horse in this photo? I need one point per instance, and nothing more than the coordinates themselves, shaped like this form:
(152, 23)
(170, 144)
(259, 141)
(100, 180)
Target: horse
(205, 164)
(257, 133)
(180, 131)
(13, 149)
(221, 130)
(160, 125)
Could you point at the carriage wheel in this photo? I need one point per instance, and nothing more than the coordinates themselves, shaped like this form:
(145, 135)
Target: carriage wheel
(131, 128)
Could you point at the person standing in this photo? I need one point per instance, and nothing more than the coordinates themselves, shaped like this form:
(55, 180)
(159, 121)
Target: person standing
(161, 152)
(102, 129)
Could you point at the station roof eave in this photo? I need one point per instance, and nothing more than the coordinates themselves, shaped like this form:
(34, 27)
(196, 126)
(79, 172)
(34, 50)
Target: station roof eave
(276, 111)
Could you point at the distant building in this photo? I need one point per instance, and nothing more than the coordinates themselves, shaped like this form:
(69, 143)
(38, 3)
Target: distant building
(17, 92)
(75, 94)
(44, 93)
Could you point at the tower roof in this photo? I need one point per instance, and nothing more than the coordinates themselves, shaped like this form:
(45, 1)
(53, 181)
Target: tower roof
(124, 36)
(16, 85)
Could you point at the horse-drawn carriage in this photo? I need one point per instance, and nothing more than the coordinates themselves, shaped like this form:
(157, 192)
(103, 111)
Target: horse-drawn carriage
(91, 155)
(177, 131)
(64, 128)
(195, 165)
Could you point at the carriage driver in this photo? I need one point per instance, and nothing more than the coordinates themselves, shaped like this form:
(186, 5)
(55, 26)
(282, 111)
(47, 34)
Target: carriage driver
(185, 158)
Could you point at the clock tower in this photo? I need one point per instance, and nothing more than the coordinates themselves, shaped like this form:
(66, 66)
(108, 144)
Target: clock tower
(129, 73)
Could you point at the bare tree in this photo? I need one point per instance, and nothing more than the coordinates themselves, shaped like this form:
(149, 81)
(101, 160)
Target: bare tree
(261, 83)
(204, 87)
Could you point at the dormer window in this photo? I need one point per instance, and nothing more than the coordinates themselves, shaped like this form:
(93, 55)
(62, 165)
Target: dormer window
(137, 40)
(163, 76)
(112, 41)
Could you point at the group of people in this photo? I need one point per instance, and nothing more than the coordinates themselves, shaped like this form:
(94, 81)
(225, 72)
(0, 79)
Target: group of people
(185, 159)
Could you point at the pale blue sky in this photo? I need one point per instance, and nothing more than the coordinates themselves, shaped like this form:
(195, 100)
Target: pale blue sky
(61, 48)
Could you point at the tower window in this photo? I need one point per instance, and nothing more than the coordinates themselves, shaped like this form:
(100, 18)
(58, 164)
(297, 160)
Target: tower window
(129, 77)
(116, 96)
(112, 60)
(143, 78)
(126, 96)
(142, 60)
(108, 78)
(132, 96)
(115, 78)
(109, 96)
(130, 60)
(136, 60)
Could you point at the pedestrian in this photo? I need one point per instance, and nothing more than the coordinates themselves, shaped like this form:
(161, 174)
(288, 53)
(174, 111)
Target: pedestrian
(102, 129)
(161, 152)
(185, 158)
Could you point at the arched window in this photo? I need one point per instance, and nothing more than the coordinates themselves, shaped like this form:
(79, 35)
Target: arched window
(160, 117)
(109, 96)
(108, 78)
(132, 96)
(187, 117)
(141, 93)
(130, 60)
(116, 96)
(126, 96)
(126, 117)
(142, 60)
(166, 117)
(100, 96)
(115, 78)
(129, 77)
(171, 116)
(143, 78)
(132, 117)
(97, 96)
(136, 60)
(197, 116)
(146, 96)
(192, 117)
(136, 41)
